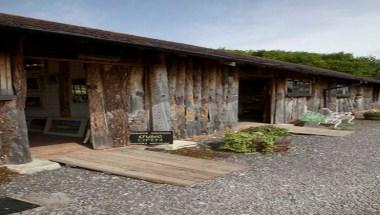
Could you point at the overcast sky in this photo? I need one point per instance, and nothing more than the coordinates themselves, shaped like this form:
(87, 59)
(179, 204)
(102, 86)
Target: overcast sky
(302, 25)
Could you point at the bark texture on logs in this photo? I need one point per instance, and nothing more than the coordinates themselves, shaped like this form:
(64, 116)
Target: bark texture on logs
(189, 99)
(203, 96)
(197, 79)
(14, 143)
(100, 137)
(160, 96)
(114, 105)
(180, 129)
(136, 100)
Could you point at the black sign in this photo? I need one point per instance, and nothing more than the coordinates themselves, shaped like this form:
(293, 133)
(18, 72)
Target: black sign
(151, 137)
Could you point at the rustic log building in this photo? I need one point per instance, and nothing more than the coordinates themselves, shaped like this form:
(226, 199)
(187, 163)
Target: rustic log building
(121, 83)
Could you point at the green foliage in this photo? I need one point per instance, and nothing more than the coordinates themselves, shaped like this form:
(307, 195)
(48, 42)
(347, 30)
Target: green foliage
(312, 117)
(241, 142)
(260, 139)
(268, 130)
(342, 62)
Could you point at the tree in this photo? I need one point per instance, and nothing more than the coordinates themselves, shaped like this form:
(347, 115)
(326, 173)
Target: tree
(340, 61)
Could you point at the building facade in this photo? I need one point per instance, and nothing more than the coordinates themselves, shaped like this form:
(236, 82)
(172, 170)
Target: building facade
(58, 78)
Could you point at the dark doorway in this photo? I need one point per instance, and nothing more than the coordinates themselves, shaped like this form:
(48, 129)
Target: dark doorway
(254, 100)
(56, 108)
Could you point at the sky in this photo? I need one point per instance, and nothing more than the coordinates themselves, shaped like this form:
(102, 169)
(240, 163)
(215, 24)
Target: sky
(322, 26)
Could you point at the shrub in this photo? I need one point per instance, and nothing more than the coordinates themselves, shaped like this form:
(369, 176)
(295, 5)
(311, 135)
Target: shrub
(241, 142)
(312, 117)
(254, 139)
(268, 130)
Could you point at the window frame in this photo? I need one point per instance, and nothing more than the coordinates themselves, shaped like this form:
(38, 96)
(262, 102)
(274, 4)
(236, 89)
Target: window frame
(79, 94)
(299, 94)
(342, 86)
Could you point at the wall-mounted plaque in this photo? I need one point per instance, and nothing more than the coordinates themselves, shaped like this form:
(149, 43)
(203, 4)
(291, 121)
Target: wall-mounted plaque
(151, 137)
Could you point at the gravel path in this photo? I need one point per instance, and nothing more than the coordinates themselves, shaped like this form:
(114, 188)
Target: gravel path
(320, 175)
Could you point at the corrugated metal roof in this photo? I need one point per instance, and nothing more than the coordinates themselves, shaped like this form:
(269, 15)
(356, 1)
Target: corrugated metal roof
(37, 25)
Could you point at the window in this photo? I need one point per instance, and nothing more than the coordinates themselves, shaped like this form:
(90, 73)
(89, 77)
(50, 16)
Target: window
(342, 90)
(298, 88)
(376, 94)
(78, 90)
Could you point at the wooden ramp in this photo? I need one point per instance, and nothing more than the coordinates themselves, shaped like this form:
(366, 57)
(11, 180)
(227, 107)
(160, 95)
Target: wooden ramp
(49, 152)
(300, 130)
(155, 167)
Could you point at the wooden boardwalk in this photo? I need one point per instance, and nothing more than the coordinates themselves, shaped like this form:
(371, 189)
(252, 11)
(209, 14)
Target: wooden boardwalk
(150, 166)
(300, 130)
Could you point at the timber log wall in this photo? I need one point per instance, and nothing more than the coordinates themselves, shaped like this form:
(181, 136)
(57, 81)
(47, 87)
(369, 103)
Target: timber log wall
(188, 96)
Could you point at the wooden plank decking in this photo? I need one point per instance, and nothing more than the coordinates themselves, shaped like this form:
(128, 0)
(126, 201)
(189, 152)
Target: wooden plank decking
(300, 130)
(155, 167)
(137, 163)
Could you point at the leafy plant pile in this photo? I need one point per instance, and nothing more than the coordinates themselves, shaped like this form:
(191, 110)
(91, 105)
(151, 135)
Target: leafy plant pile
(256, 139)
(312, 117)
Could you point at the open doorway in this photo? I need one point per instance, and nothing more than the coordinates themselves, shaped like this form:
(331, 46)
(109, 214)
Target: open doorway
(56, 106)
(254, 100)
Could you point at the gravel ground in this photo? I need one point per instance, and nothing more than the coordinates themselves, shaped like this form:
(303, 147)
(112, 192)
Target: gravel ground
(320, 175)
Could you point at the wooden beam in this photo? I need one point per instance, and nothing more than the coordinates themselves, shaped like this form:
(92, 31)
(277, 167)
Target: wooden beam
(64, 89)
(86, 61)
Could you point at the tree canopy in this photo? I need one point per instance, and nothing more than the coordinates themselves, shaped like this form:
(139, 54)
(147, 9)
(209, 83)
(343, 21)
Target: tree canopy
(341, 61)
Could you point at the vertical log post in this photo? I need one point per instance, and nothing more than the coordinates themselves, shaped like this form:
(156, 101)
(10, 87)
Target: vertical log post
(189, 99)
(64, 89)
(197, 78)
(115, 111)
(172, 78)
(212, 106)
(180, 128)
(205, 99)
(219, 98)
(14, 145)
(273, 101)
(136, 96)
(160, 95)
(280, 101)
(224, 113)
(98, 123)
